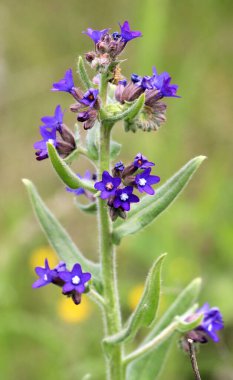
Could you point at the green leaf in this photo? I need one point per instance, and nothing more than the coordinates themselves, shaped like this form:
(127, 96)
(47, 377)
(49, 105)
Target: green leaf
(57, 235)
(65, 173)
(89, 208)
(81, 70)
(115, 149)
(150, 207)
(150, 365)
(92, 142)
(130, 113)
(146, 309)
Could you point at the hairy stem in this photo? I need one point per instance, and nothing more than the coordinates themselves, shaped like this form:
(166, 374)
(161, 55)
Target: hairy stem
(112, 316)
(193, 359)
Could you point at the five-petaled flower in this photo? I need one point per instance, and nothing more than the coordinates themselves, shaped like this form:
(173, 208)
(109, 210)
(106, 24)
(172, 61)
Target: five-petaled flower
(144, 181)
(75, 280)
(54, 121)
(47, 275)
(108, 185)
(212, 322)
(141, 162)
(65, 84)
(90, 97)
(123, 198)
(127, 34)
(96, 35)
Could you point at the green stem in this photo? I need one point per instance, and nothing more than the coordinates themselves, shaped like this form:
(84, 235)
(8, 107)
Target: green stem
(150, 346)
(112, 317)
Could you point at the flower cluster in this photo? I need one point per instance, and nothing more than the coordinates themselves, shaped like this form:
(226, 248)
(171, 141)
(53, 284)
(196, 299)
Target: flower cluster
(212, 322)
(108, 46)
(118, 188)
(155, 88)
(73, 282)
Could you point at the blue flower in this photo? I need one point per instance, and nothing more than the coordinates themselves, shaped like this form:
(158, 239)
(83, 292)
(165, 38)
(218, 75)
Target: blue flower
(90, 97)
(54, 121)
(123, 198)
(75, 280)
(47, 275)
(96, 35)
(127, 34)
(108, 185)
(41, 146)
(141, 162)
(65, 84)
(212, 321)
(144, 181)
(161, 82)
(119, 166)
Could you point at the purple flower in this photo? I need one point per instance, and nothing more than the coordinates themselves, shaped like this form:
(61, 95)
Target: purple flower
(46, 275)
(144, 181)
(127, 34)
(41, 146)
(96, 35)
(75, 280)
(54, 121)
(108, 185)
(123, 198)
(90, 97)
(80, 191)
(141, 162)
(212, 321)
(65, 84)
(162, 82)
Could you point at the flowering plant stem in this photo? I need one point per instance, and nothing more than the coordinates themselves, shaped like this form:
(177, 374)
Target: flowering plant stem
(111, 311)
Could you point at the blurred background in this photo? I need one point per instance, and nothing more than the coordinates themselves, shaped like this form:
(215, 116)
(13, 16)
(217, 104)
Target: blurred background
(41, 334)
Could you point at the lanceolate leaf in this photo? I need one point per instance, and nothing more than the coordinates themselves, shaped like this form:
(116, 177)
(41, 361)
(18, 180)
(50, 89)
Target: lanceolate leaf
(150, 207)
(65, 173)
(87, 83)
(57, 235)
(146, 309)
(149, 366)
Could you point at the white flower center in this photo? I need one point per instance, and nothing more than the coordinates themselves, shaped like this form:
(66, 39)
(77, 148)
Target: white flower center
(45, 277)
(51, 141)
(142, 181)
(124, 197)
(75, 280)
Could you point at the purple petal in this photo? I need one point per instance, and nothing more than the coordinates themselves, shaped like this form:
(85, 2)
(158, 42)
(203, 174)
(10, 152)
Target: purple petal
(68, 287)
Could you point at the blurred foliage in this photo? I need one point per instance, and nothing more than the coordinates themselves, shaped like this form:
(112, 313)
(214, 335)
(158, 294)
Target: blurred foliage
(38, 42)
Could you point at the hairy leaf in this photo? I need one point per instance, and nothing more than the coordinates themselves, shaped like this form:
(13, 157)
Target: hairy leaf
(146, 309)
(57, 235)
(150, 365)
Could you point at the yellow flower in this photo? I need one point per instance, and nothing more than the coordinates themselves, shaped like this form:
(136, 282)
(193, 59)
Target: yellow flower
(39, 255)
(135, 295)
(72, 313)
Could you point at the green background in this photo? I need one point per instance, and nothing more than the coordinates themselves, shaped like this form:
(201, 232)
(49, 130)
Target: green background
(190, 39)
